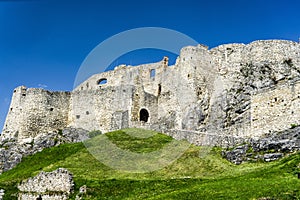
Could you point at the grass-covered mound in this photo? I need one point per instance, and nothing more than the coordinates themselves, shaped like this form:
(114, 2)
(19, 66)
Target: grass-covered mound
(200, 173)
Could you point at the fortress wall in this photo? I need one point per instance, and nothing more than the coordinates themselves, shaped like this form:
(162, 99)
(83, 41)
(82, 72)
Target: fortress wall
(14, 119)
(271, 51)
(275, 110)
(232, 58)
(256, 52)
(282, 57)
(248, 69)
(206, 90)
(127, 75)
(33, 111)
(228, 58)
(99, 109)
(183, 96)
(83, 112)
(197, 75)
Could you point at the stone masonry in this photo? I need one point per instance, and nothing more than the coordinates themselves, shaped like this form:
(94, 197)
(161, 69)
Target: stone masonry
(216, 96)
(47, 185)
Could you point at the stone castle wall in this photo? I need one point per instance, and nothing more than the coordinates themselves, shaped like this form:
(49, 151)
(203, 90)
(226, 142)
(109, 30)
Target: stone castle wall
(34, 111)
(276, 109)
(221, 92)
(169, 94)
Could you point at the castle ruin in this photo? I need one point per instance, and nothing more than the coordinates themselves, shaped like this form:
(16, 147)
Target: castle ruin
(210, 96)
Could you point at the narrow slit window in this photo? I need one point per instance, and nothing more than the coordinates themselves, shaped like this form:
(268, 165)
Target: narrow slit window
(159, 89)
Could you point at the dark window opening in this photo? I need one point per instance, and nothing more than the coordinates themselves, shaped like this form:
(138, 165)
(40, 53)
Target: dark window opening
(87, 112)
(11, 109)
(159, 89)
(144, 115)
(15, 91)
(152, 73)
(23, 95)
(275, 98)
(77, 116)
(166, 60)
(102, 81)
(51, 109)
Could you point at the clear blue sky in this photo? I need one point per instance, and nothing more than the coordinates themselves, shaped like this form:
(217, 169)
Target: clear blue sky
(43, 43)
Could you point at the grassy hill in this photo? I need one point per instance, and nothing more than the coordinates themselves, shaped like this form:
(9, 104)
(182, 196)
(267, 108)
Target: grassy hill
(200, 173)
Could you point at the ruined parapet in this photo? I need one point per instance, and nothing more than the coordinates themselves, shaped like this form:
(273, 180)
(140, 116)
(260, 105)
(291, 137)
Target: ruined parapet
(34, 111)
(127, 75)
(47, 185)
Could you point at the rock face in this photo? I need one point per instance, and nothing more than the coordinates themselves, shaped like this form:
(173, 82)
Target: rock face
(271, 147)
(47, 185)
(11, 152)
(220, 96)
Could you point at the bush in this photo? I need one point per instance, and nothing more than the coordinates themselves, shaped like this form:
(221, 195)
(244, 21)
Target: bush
(293, 126)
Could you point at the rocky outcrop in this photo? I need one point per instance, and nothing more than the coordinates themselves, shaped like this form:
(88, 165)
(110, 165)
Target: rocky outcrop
(11, 152)
(47, 185)
(271, 147)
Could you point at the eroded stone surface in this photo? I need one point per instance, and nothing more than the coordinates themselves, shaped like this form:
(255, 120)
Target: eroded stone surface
(47, 185)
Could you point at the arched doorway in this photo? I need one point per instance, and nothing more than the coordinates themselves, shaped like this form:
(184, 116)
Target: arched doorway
(144, 115)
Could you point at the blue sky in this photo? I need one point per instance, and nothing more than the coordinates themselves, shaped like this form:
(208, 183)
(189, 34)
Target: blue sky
(43, 43)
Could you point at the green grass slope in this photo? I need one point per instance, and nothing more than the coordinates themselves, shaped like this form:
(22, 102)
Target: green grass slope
(200, 173)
